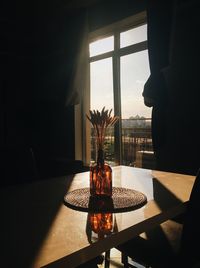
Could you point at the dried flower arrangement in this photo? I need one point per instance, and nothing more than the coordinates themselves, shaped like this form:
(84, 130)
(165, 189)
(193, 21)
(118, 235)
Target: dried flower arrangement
(101, 172)
(101, 121)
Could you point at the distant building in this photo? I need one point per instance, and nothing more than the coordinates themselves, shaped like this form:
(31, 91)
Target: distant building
(136, 121)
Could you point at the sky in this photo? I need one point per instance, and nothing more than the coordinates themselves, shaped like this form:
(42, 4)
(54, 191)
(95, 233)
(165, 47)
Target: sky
(134, 73)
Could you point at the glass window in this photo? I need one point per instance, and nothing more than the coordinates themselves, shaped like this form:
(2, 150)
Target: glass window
(134, 73)
(133, 36)
(101, 84)
(117, 80)
(101, 46)
(136, 117)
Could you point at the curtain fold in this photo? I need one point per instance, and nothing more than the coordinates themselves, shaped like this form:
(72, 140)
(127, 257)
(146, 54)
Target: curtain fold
(159, 21)
(79, 70)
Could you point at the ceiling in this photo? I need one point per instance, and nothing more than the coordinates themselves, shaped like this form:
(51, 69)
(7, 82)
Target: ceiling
(80, 3)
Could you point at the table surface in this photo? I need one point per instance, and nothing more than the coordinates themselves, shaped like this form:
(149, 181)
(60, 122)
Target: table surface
(38, 229)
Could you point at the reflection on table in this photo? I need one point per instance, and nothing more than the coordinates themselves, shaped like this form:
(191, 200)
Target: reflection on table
(38, 230)
(100, 225)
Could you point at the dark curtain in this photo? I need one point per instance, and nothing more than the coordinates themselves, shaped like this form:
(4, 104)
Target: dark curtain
(43, 42)
(172, 89)
(78, 58)
(159, 20)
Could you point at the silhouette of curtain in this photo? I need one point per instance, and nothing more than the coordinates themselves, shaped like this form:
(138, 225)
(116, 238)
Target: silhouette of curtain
(159, 20)
(79, 69)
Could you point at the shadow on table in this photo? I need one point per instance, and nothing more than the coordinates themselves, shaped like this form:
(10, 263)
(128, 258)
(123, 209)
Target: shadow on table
(164, 199)
(27, 213)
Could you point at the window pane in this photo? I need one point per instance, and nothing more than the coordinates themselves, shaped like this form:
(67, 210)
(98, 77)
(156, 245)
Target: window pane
(101, 46)
(136, 129)
(133, 36)
(101, 85)
(134, 73)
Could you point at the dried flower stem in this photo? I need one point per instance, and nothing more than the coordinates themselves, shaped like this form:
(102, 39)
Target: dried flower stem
(101, 121)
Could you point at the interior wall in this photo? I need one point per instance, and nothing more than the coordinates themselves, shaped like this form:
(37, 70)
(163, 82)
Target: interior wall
(108, 12)
(39, 57)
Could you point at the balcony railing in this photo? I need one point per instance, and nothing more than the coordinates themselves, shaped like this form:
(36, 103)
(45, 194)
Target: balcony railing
(136, 143)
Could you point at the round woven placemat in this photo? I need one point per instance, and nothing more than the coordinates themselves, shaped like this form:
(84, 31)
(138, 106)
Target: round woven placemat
(122, 199)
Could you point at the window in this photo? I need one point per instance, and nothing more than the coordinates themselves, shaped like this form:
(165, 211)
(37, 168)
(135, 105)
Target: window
(119, 68)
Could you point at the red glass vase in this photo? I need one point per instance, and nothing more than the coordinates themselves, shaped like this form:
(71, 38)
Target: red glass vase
(100, 177)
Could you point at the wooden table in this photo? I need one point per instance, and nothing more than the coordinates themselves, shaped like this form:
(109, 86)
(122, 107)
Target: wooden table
(38, 230)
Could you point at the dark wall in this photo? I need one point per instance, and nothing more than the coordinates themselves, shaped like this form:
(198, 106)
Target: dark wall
(110, 11)
(39, 54)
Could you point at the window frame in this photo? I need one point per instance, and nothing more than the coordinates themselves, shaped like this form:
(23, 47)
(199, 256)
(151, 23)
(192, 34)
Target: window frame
(110, 30)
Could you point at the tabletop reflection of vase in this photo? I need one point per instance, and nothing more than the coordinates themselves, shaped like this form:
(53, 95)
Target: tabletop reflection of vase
(101, 172)
(99, 225)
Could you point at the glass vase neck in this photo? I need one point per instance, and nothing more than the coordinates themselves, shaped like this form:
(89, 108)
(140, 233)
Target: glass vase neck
(100, 157)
